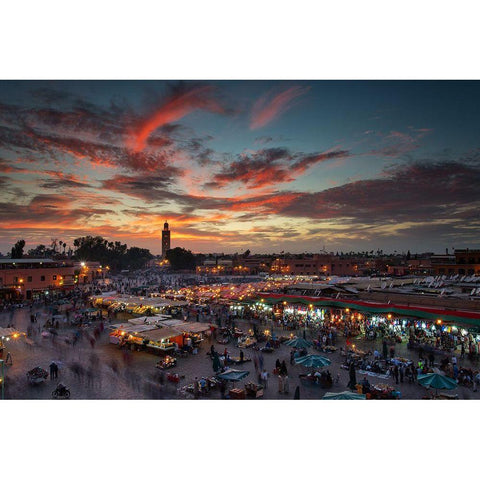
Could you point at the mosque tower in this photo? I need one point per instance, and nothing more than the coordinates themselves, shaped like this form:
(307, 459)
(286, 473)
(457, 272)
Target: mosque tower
(165, 240)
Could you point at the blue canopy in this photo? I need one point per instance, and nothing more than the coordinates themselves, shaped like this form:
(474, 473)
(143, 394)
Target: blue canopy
(435, 380)
(233, 375)
(298, 343)
(314, 361)
(344, 396)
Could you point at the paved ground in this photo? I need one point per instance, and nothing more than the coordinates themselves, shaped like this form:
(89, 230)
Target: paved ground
(106, 375)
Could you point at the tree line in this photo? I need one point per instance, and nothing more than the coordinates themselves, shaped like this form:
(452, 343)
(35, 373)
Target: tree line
(117, 255)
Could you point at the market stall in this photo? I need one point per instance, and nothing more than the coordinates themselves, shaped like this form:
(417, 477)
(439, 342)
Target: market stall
(381, 391)
(232, 375)
(127, 332)
(162, 341)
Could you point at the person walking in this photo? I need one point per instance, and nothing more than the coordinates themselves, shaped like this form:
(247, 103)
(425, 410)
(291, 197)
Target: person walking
(286, 384)
(196, 388)
(8, 359)
(277, 366)
(353, 377)
(392, 352)
(395, 373)
(52, 370)
(402, 373)
(265, 379)
(260, 361)
(296, 395)
(385, 350)
(223, 387)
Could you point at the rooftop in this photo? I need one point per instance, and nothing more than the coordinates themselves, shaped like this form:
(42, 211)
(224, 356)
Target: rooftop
(25, 260)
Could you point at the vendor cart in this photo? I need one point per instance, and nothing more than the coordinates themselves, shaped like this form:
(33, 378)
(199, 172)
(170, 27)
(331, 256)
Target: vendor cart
(37, 376)
(383, 392)
(246, 342)
(253, 390)
(166, 363)
(239, 360)
(237, 394)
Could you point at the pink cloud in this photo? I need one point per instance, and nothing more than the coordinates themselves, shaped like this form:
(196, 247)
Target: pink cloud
(172, 110)
(266, 110)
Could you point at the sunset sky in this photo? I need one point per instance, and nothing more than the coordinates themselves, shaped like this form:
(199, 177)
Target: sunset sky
(265, 165)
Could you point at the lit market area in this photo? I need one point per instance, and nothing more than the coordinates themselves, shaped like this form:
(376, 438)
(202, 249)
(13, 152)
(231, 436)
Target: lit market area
(272, 338)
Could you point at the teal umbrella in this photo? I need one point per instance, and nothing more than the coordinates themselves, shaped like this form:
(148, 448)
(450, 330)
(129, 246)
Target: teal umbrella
(314, 361)
(437, 381)
(344, 396)
(298, 343)
(233, 375)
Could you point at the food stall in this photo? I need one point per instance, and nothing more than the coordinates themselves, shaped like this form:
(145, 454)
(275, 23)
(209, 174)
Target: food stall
(162, 341)
(129, 333)
(193, 332)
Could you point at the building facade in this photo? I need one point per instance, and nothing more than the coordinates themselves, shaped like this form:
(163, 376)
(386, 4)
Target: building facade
(462, 262)
(29, 278)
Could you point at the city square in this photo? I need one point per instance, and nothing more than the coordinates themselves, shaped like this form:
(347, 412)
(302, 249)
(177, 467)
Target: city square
(106, 346)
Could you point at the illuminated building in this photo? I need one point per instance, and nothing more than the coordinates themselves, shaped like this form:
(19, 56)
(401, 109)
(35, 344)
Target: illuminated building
(30, 278)
(87, 272)
(463, 262)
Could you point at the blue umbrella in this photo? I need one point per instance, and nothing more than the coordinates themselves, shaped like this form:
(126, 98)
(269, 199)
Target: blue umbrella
(298, 343)
(233, 375)
(344, 396)
(437, 381)
(314, 361)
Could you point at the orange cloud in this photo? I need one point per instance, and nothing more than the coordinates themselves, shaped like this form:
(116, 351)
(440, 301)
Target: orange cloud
(172, 110)
(265, 111)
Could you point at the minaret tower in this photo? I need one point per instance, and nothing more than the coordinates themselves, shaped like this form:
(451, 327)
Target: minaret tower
(165, 240)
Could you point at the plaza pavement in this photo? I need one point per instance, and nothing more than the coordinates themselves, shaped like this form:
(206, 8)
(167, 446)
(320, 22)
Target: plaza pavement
(139, 378)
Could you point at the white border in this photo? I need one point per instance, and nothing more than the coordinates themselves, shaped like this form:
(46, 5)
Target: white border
(239, 40)
(252, 39)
